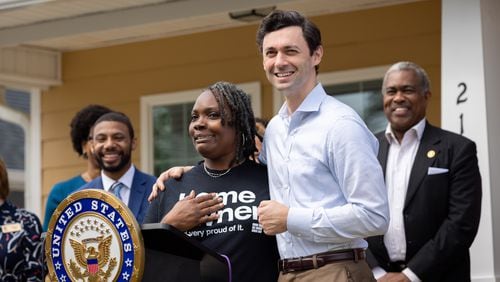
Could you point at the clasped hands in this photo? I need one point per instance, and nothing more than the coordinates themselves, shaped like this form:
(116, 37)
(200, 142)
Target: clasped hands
(195, 210)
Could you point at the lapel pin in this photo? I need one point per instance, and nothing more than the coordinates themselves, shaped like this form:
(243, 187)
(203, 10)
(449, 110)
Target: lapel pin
(431, 154)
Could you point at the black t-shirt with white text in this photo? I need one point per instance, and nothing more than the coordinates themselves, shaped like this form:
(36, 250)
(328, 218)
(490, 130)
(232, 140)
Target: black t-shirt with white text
(237, 233)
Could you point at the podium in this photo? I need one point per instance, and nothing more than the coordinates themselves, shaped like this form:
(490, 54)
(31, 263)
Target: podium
(172, 256)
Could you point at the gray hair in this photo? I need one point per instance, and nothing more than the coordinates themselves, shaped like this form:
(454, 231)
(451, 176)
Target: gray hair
(425, 83)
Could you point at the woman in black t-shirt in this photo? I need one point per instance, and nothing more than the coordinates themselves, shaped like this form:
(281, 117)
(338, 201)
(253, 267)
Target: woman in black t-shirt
(216, 201)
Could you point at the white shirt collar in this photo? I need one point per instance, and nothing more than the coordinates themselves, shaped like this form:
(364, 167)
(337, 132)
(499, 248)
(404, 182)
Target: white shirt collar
(310, 103)
(417, 128)
(126, 179)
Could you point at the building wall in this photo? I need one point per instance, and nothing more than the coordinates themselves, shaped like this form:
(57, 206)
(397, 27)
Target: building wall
(118, 76)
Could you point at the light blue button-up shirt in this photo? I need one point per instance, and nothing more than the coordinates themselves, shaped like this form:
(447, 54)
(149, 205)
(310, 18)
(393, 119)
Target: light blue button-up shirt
(322, 164)
(126, 180)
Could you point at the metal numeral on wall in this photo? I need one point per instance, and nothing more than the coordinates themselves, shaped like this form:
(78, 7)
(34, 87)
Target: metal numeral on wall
(462, 99)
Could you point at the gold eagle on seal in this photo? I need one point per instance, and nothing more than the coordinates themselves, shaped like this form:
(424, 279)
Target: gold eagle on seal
(91, 260)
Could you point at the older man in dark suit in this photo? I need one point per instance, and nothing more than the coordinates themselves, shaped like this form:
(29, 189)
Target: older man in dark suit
(112, 143)
(434, 188)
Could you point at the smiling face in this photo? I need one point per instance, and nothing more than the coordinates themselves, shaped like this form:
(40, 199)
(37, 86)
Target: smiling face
(405, 101)
(112, 147)
(213, 140)
(288, 62)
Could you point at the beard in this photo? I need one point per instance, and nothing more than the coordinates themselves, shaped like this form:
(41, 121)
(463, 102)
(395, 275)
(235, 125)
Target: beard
(124, 161)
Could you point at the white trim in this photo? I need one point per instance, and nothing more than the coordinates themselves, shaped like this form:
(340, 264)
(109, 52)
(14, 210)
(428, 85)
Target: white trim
(31, 125)
(469, 101)
(33, 82)
(336, 77)
(30, 67)
(149, 101)
(14, 116)
(33, 157)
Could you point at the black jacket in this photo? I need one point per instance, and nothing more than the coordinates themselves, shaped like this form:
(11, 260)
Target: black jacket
(441, 212)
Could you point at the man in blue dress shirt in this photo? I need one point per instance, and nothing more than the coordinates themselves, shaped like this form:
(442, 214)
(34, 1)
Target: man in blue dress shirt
(327, 187)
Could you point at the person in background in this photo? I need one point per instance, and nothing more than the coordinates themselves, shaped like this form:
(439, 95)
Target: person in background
(260, 126)
(434, 188)
(81, 125)
(222, 129)
(20, 238)
(112, 145)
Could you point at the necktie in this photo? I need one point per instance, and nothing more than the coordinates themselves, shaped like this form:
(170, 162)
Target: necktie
(116, 188)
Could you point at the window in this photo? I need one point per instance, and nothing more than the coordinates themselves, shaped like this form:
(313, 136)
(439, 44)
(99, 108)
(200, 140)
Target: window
(13, 142)
(358, 88)
(172, 144)
(165, 119)
(365, 98)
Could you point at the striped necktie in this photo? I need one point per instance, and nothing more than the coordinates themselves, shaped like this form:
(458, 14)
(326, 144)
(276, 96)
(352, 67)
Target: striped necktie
(116, 189)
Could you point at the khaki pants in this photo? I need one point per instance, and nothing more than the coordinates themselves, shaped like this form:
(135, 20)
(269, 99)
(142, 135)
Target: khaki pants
(345, 271)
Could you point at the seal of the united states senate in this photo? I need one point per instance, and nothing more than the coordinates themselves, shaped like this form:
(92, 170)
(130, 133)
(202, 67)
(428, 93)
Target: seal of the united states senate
(93, 236)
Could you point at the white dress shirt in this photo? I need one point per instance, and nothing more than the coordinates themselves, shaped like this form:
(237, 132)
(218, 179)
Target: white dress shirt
(126, 180)
(400, 161)
(322, 164)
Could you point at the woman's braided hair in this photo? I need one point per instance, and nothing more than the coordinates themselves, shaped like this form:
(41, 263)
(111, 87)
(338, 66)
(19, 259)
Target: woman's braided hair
(240, 116)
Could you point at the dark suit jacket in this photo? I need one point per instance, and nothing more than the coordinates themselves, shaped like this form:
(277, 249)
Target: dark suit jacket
(441, 212)
(139, 192)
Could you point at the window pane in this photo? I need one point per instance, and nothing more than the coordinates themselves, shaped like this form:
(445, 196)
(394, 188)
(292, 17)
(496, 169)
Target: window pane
(172, 145)
(365, 98)
(18, 100)
(12, 144)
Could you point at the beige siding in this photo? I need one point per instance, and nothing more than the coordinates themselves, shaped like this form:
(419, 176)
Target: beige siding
(118, 76)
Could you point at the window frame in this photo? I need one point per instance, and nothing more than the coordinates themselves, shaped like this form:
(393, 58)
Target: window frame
(31, 177)
(339, 77)
(177, 97)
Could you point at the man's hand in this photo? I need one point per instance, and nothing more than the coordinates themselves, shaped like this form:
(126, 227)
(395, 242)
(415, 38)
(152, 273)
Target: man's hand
(272, 217)
(394, 277)
(173, 172)
(192, 211)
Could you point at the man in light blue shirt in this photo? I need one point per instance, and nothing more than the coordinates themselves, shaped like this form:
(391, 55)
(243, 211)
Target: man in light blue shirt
(327, 187)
